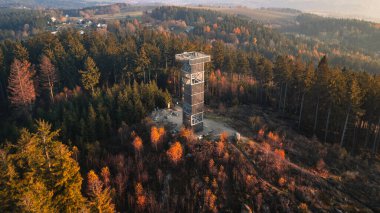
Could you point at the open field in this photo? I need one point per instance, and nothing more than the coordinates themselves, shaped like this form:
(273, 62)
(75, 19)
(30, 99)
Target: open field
(120, 15)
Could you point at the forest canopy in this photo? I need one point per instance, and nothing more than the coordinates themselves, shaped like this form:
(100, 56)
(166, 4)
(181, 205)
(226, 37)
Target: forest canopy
(76, 134)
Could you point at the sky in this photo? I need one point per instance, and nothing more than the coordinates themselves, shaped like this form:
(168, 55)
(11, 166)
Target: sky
(365, 9)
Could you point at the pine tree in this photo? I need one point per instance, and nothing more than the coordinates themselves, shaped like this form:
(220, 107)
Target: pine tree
(335, 92)
(20, 52)
(143, 62)
(2, 77)
(307, 82)
(48, 76)
(229, 61)
(243, 63)
(320, 87)
(41, 174)
(218, 54)
(20, 85)
(265, 76)
(91, 75)
(62, 175)
(283, 74)
(354, 98)
(100, 196)
(91, 127)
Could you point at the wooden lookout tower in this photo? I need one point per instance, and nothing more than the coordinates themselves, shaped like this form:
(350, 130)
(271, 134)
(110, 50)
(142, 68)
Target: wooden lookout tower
(193, 88)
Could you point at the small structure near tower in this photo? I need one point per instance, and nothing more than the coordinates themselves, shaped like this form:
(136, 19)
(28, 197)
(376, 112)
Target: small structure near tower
(193, 88)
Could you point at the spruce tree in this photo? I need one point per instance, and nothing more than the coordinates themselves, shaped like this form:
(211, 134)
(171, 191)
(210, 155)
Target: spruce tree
(40, 173)
(99, 194)
(353, 100)
(218, 54)
(90, 76)
(48, 76)
(21, 89)
(142, 62)
(20, 52)
(2, 78)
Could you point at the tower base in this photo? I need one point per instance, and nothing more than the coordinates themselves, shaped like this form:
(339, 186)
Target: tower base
(198, 127)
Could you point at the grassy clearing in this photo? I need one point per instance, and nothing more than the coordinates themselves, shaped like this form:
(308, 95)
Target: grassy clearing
(120, 15)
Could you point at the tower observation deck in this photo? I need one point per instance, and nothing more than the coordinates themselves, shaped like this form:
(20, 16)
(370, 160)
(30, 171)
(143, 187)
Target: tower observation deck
(193, 88)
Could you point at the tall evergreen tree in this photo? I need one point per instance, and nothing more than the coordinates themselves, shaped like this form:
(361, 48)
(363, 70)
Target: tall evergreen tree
(40, 174)
(218, 54)
(307, 82)
(91, 75)
(20, 52)
(243, 63)
(21, 89)
(100, 196)
(353, 100)
(320, 87)
(2, 78)
(48, 76)
(335, 91)
(143, 63)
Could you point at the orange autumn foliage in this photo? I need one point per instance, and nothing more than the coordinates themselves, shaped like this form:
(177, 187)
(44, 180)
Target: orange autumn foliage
(140, 197)
(220, 148)
(223, 136)
(280, 153)
(105, 174)
(281, 181)
(175, 152)
(154, 136)
(94, 185)
(210, 200)
(141, 201)
(274, 137)
(157, 135)
(139, 189)
(212, 79)
(237, 31)
(186, 133)
(206, 29)
(254, 41)
(138, 144)
(303, 208)
(161, 132)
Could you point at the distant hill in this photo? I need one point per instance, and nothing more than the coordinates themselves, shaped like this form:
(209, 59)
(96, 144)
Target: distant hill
(364, 9)
(54, 3)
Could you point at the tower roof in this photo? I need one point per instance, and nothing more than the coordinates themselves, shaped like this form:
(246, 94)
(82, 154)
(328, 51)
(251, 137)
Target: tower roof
(193, 57)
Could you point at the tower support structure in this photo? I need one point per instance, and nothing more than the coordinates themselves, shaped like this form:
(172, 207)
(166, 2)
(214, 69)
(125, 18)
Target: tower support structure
(193, 84)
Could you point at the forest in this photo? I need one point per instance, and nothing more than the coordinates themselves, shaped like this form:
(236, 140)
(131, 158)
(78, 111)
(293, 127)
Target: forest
(297, 40)
(353, 33)
(76, 136)
(16, 23)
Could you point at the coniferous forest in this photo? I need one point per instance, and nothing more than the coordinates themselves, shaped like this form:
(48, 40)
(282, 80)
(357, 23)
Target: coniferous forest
(76, 135)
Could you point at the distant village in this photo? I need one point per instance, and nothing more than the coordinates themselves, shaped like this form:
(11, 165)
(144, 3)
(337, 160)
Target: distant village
(81, 24)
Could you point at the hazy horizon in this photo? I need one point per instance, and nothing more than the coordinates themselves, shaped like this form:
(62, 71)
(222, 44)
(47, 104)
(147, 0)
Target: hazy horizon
(363, 9)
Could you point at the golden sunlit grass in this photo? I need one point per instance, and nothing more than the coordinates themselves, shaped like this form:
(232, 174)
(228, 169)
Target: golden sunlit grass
(121, 15)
